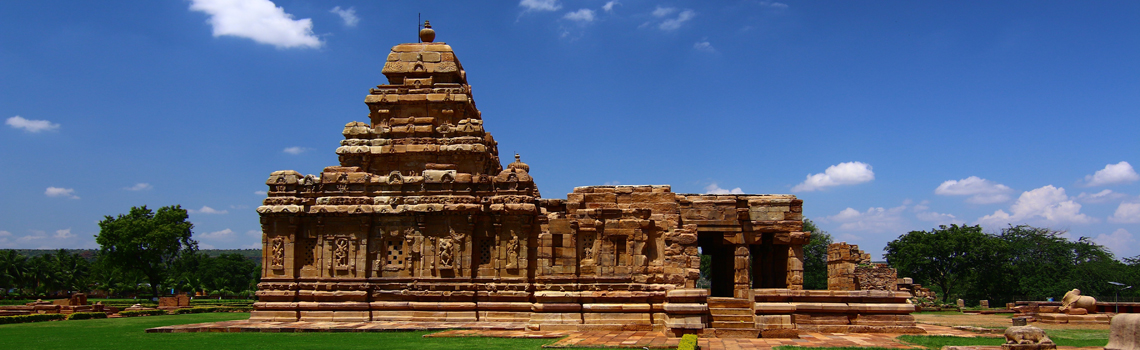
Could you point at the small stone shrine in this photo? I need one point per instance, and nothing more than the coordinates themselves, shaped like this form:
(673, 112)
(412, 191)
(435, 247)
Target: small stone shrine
(421, 223)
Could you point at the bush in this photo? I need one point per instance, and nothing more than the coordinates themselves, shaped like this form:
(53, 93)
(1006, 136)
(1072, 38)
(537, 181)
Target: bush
(132, 313)
(87, 316)
(31, 318)
(688, 342)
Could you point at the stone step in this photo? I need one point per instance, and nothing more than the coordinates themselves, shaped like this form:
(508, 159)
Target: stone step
(732, 324)
(729, 303)
(734, 318)
(731, 311)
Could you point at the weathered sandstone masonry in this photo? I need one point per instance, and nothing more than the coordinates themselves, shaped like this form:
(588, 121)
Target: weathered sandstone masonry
(420, 222)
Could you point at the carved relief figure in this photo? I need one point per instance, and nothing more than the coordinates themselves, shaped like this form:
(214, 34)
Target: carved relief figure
(446, 253)
(415, 242)
(340, 253)
(277, 253)
(513, 252)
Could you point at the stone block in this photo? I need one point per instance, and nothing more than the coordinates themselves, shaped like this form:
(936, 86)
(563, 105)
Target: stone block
(616, 318)
(556, 318)
(1124, 332)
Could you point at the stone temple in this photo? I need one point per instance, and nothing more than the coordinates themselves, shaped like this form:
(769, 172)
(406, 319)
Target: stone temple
(420, 222)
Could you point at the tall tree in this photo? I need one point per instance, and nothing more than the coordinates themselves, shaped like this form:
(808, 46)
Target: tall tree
(815, 257)
(941, 256)
(13, 269)
(145, 241)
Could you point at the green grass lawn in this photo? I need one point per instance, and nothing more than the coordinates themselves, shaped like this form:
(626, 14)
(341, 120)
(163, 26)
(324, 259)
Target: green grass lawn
(129, 333)
(1071, 338)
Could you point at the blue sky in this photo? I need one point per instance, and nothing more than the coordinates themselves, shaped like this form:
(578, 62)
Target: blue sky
(884, 117)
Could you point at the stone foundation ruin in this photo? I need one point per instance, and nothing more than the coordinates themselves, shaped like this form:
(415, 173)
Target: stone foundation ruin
(419, 222)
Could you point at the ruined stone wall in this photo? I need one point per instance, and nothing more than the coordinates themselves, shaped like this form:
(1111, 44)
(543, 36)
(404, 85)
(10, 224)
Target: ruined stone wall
(842, 258)
(876, 277)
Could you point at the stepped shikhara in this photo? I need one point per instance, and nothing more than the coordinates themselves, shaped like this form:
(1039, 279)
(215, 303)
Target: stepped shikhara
(421, 223)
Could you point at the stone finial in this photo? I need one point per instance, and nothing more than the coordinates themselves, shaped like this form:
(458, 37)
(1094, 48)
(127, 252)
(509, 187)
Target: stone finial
(427, 34)
(518, 164)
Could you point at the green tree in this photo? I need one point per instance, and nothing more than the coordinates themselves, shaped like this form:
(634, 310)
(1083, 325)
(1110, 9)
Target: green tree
(13, 269)
(146, 242)
(815, 257)
(942, 258)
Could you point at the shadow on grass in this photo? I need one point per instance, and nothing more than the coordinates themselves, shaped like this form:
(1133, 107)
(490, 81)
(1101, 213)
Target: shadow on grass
(130, 333)
(938, 341)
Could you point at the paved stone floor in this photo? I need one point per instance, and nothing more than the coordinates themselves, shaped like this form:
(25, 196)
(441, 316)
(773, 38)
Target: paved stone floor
(653, 340)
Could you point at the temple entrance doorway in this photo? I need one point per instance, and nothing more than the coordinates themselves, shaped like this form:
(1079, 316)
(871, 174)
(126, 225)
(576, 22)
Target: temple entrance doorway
(720, 272)
(769, 263)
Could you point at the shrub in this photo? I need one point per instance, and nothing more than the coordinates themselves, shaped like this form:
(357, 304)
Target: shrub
(31, 318)
(132, 313)
(688, 342)
(86, 315)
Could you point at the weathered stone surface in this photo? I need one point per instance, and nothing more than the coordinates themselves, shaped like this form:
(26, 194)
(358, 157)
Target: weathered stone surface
(1124, 332)
(1027, 338)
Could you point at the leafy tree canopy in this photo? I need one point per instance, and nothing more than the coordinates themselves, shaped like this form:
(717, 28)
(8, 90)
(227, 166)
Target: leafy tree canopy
(145, 241)
(815, 257)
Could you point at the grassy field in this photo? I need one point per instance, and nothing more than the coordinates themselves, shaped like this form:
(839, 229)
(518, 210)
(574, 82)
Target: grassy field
(129, 333)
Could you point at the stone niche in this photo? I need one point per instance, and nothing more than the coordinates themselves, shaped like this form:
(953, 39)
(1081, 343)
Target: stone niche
(420, 222)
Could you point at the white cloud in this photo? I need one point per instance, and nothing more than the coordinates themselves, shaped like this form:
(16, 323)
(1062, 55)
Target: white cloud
(849, 173)
(261, 193)
(1120, 242)
(660, 12)
(5, 234)
(1112, 174)
(609, 6)
(253, 233)
(206, 246)
(63, 234)
(981, 191)
(32, 126)
(35, 236)
(295, 150)
(61, 192)
(1126, 213)
(704, 45)
(582, 16)
(773, 4)
(139, 187)
(938, 218)
(208, 210)
(540, 5)
(714, 189)
(348, 15)
(612, 183)
(674, 23)
(876, 219)
(1100, 197)
(259, 20)
(225, 234)
(1047, 203)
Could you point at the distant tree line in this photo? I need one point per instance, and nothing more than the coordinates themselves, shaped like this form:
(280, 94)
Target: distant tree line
(143, 253)
(1017, 263)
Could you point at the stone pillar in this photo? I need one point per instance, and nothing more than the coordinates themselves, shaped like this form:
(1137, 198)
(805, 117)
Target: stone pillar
(742, 280)
(795, 267)
(841, 261)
